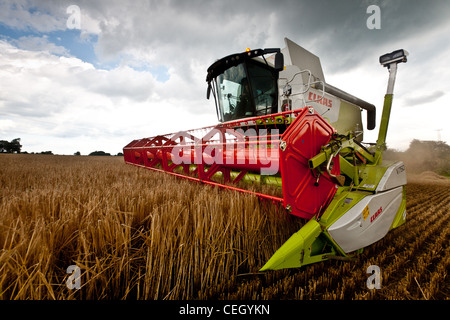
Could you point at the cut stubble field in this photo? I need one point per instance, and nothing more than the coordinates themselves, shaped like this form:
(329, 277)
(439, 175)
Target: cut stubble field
(139, 234)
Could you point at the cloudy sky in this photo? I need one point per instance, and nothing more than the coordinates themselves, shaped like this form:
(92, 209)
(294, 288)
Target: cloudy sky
(114, 71)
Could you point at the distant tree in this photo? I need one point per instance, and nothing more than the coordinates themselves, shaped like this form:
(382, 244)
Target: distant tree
(4, 145)
(10, 147)
(120, 154)
(428, 156)
(47, 152)
(99, 153)
(15, 145)
(77, 153)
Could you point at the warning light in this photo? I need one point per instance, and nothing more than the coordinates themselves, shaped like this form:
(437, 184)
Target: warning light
(247, 50)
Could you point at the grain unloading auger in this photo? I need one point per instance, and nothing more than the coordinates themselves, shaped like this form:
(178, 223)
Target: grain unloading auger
(281, 123)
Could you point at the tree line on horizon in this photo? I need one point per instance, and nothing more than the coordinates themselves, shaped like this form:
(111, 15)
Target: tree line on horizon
(421, 155)
(14, 146)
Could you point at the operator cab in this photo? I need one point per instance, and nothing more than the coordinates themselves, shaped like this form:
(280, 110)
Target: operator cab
(249, 84)
(245, 85)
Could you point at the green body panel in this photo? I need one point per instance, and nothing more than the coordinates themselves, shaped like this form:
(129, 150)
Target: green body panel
(340, 205)
(302, 248)
(382, 133)
(248, 178)
(312, 243)
(400, 217)
(257, 178)
(349, 119)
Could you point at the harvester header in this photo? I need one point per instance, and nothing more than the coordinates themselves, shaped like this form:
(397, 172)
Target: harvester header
(280, 123)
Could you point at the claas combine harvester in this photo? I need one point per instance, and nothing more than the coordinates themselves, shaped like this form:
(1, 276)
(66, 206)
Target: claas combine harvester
(281, 123)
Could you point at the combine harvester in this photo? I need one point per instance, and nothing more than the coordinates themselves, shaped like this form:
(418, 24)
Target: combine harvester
(281, 123)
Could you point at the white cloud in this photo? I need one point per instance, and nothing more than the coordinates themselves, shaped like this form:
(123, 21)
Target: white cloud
(6, 125)
(33, 43)
(422, 98)
(23, 15)
(64, 98)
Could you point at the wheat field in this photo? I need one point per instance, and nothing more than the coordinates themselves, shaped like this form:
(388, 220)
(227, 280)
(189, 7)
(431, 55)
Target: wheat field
(139, 234)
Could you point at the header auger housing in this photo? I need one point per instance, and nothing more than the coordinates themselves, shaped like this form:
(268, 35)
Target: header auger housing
(281, 123)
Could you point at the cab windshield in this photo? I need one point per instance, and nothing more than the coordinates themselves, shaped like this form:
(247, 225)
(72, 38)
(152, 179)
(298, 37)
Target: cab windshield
(246, 90)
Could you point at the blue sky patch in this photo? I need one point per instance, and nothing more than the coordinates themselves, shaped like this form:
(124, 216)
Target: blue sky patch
(71, 42)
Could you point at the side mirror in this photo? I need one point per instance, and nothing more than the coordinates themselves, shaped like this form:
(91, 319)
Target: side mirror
(208, 91)
(279, 61)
